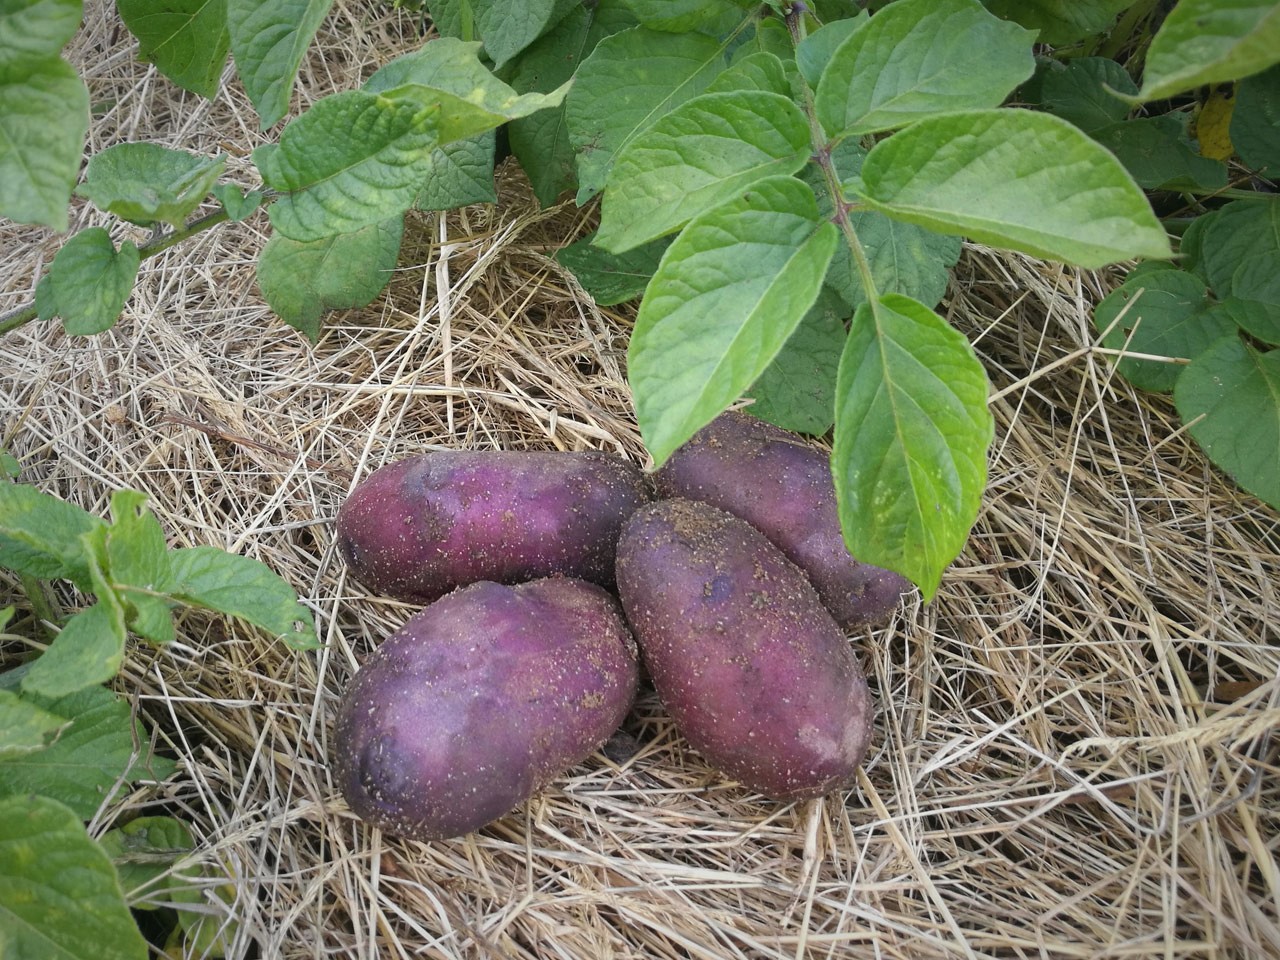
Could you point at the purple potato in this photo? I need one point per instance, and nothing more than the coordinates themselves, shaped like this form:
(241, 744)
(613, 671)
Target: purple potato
(753, 669)
(479, 701)
(783, 487)
(420, 527)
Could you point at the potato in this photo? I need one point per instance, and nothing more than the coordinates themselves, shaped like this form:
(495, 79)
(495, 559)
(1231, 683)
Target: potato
(420, 527)
(479, 701)
(753, 669)
(783, 487)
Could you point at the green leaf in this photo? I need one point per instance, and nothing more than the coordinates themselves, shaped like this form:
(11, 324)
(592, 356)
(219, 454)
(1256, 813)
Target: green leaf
(25, 727)
(41, 536)
(472, 100)
(916, 59)
(1060, 22)
(145, 182)
(461, 174)
(44, 116)
(1229, 397)
(760, 72)
(352, 160)
(88, 651)
(341, 272)
(37, 29)
(1210, 41)
(9, 465)
(244, 588)
(268, 41)
(138, 567)
(815, 51)
(187, 40)
(1259, 320)
(1240, 250)
(541, 141)
(506, 28)
(704, 152)
(88, 282)
(1164, 314)
(1159, 156)
(59, 895)
(797, 390)
(1018, 179)
(612, 278)
(729, 292)
(679, 16)
(630, 80)
(912, 431)
(1255, 121)
(145, 852)
(93, 759)
(1080, 91)
(238, 205)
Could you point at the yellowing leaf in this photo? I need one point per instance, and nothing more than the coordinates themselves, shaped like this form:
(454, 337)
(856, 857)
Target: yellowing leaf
(1213, 126)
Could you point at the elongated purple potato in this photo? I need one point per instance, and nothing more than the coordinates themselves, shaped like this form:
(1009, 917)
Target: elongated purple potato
(756, 674)
(782, 487)
(479, 701)
(420, 527)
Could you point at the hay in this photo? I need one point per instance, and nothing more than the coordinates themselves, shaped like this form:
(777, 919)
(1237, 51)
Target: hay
(1075, 753)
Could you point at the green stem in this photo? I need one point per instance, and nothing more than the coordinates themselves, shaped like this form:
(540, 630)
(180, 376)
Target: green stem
(25, 314)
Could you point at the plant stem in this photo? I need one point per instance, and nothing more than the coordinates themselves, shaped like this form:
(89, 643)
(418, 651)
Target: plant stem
(23, 315)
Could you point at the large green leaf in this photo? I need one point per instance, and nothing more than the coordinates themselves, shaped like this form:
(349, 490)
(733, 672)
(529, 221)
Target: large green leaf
(60, 898)
(88, 282)
(911, 436)
(678, 16)
(1060, 21)
(729, 292)
(1255, 121)
(94, 757)
(1158, 154)
(88, 651)
(1083, 91)
(1209, 41)
(42, 536)
(506, 28)
(44, 116)
(1014, 178)
(815, 51)
(187, 40)
(1240, 250)
(268, 41)
(1229, 397)
(146, 183)
(916, 58)
(37, 29)
(630, 80)
(303, 280)
(612, 278)
(701, 154)
(353, 159)
(759, 71)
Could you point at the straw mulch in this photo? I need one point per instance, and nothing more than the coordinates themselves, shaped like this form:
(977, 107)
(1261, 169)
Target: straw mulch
(1074, 754)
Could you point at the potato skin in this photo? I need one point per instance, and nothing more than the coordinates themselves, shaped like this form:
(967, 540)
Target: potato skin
(479, 701)
(420, 527)
(783, 487)
(753, 669)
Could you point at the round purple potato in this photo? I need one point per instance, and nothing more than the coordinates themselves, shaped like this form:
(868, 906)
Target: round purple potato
(421, 527)
(479, 701)
(753, 669)
(783, 487)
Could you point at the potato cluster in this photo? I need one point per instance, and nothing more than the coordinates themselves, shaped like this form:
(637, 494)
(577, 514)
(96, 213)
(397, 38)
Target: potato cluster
(550, 578)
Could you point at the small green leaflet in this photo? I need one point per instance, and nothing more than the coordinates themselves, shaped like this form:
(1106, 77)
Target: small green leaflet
(1014, 178)
(59, 894)
(1240, 250)
(612, 278)
(506, 28)
(1209, 41)
(729, 292)
(1060, 22)
(145, 851)
(472, 100)
(268, 40)
(340, 272)
(145, 182)
(88, 282)
(353, 159)
(25, 727)
(187, 40)
(41, 535)
(1255, 121)
(815, 51)
(44, 116)
(1229, 397)
(35, 29)
(88, 651)
(1167, 313)
(911, 437)
(461, 174)
(238, 205)
(760, 71)
(1260, 320)
(629, 81)
(138, 567)
(704, 152)
(1159, 155)
(1079, 91)
(245, 588)
(92, 757)
(916, 58)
